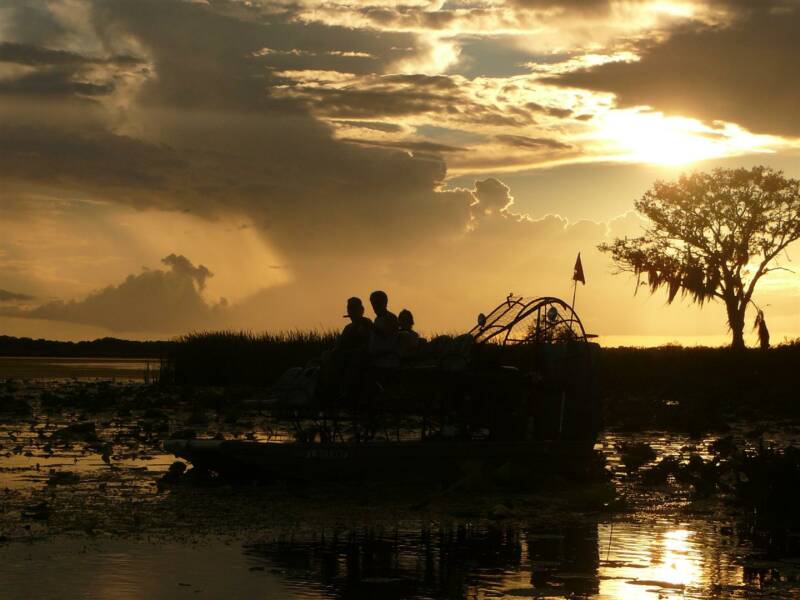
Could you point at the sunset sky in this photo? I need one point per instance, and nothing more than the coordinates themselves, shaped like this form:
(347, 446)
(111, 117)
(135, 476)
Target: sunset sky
(168, 166)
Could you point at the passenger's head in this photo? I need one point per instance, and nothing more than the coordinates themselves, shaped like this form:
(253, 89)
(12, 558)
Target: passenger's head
(355, 308)
(379, 301)
(406, 320)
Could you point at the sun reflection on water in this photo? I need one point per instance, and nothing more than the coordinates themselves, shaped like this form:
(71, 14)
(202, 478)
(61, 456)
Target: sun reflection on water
(659, 561)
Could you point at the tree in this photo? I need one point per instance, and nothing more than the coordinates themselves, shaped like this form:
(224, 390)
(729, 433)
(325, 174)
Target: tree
(713, 236)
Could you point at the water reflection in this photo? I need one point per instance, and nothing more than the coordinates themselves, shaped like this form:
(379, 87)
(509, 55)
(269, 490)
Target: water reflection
(451, 562)
(36, 368)
(668, 560)
(130, 570)
(650, 559)
(595, 560)
(654, 560)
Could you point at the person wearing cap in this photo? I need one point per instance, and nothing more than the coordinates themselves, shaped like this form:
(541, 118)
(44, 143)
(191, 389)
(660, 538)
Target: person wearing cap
(343, 365)
(356, 334)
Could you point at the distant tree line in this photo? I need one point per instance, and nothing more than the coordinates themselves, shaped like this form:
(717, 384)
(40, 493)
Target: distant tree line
(102, 348)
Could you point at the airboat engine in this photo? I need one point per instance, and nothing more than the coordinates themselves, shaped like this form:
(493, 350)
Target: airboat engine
(545, 338)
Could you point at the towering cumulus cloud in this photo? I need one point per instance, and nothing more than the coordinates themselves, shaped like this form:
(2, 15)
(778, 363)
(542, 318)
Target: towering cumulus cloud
(154, 300)
(195, 123)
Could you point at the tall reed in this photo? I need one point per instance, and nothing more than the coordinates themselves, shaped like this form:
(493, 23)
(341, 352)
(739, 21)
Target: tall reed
(243, 357)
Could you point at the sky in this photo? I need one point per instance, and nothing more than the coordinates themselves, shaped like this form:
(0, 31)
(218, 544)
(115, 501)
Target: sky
(169, 166)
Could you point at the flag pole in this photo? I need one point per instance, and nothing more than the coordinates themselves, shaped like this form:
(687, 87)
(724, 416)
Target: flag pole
(574, 291)
(577, 275)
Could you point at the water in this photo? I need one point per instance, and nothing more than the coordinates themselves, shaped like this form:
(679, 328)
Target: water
(112, 533)
(658, 560)
(40, 368)
(131, 570)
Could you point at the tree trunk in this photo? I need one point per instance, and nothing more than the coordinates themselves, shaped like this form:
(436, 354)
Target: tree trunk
(736, 323)
(737, 341)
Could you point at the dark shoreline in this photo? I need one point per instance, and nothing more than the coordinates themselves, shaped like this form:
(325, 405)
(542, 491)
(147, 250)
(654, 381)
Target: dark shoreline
(100, 348)
(677, 388)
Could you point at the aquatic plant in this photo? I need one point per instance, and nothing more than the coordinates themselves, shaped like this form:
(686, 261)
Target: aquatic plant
(635, 454)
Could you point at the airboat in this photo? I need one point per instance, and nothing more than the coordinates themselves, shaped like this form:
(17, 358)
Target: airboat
(520, 388)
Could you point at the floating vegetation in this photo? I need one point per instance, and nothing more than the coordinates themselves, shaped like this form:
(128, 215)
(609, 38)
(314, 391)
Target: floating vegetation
(636, 454)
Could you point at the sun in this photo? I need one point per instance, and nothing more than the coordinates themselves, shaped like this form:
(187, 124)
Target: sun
(651, 137)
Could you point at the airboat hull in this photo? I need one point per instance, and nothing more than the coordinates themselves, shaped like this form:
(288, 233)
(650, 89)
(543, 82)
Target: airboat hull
(406, 461)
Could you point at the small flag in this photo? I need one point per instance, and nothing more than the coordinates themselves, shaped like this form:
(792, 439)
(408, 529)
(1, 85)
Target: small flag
(577, 272)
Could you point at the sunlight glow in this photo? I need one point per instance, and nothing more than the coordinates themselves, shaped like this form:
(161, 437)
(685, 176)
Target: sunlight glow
(651, 137)
(674, 9)
(676, 565)
(441, 54)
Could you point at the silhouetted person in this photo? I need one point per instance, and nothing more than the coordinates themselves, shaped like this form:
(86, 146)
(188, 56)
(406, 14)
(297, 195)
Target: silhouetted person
(383, 341)
(408, 340)
(343, 366)
(405, 320)
(356, 334)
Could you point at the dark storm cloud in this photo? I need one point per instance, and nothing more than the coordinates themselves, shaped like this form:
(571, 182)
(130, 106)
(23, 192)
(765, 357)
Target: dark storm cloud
(332, 207)
(393, 101)
(492, 195)
(209, 57)
(745, 72)
(387, 96)
(6, 296)
(58, 72)
(552, 111)
(26, 54)
(410, 145)
(182, 266)
(54, 83)
(213, 138)
(32, 20)
(157, 300)
(341, 63)
(202, 59)
(411, 17)
(521, 141)
(374, 125)
(94, 161)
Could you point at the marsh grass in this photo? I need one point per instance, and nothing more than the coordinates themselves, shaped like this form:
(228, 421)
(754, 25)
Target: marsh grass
(243, 357)
(698, 388)
(671, 387)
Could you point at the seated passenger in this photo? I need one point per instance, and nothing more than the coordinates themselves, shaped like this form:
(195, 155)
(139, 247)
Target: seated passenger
(408, 340)
(383, 340)
(343, 366)
(356, 334)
